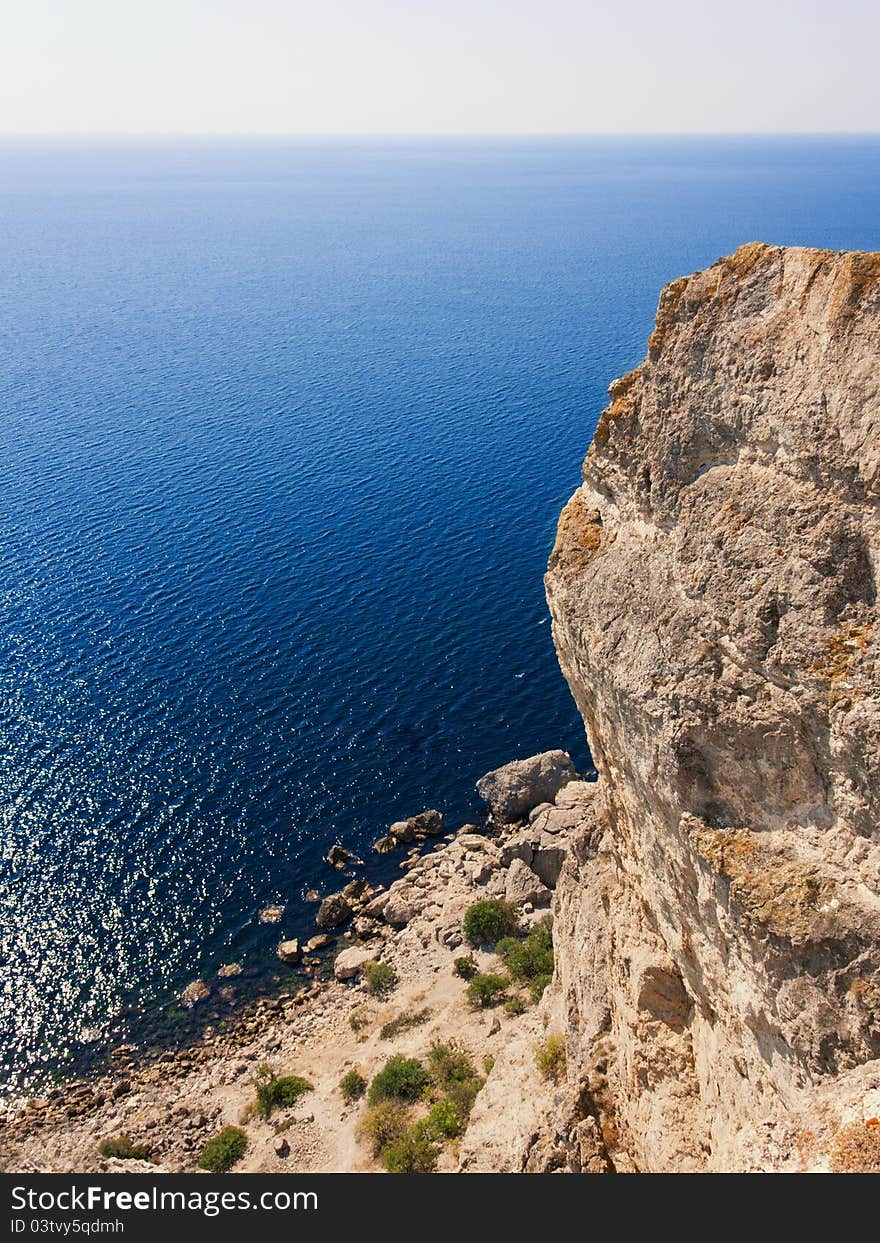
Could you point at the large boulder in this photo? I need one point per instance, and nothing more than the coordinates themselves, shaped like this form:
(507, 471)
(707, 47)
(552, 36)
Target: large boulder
(290, 952)
(426, 824)
(522, 885)
(333, 911)
(350, 962)
(514, 789)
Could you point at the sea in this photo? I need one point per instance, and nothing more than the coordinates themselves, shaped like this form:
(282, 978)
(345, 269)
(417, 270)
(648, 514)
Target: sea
(285, 428)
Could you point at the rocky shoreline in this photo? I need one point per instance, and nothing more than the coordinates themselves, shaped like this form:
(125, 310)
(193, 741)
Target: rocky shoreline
(172, 1105)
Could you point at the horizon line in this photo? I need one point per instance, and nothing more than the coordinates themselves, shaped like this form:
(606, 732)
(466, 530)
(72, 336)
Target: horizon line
(407, 135)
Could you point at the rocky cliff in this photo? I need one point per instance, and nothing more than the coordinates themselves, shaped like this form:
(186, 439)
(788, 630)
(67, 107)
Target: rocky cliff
(713, 592)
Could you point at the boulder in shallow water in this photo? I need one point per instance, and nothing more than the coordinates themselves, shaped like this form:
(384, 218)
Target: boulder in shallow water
(193, 994)
(290, 951)
(333, 911)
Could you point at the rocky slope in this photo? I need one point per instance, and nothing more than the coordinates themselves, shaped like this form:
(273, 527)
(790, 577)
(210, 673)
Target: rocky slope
(713, 592)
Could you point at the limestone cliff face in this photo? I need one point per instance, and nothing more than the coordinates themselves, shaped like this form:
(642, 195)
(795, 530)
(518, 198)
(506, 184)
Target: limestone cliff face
(713, 592)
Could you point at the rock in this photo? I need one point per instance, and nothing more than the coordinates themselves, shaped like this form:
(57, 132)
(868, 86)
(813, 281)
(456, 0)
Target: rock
(493, 1026)
(270, 914)
(333, 911)
(425, 824)
(398, 910)
(290, 952)
(576, 795)
(557, 820)
(547, 864)
(349, 963)
(384, 845)
(429, 823)
(514, 789)
(375, 908)
(354, 890)
(536, 811)
(339, 857)
(517, 847)
(280, 1146)
(522, 885)
(228, 970)
(713, 589)
(320, 942)
(193, 994)
(312, 895)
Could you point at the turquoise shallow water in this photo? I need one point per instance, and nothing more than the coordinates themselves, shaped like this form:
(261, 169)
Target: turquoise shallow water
(285, 431)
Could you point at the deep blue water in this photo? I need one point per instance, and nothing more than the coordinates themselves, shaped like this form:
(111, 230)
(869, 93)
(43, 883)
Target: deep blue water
(285, 430)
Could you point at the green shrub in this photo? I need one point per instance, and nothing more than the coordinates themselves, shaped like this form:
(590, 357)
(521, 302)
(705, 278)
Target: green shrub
(403, 1022)
(487, 990)
(515, 1005)
(352, 1085)
(401, 1078)
(489, 920)
(124, 1148)
(533, 957)
(488, 1063)
(444, 1120)
(278, 1093)
(550, 1057)
(382, 1125)
(537, 986)
(223, 1150)
(453, 1073)
(466, 966)
(415, 1153)
(379, 977)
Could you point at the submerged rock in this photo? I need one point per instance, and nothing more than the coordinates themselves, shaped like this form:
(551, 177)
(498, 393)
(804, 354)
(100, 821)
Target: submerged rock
(193, 994)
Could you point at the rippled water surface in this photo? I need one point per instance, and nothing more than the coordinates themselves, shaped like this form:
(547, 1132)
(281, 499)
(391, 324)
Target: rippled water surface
(285, 430)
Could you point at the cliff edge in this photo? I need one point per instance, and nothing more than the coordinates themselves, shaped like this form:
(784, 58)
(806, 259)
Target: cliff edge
(713, 593)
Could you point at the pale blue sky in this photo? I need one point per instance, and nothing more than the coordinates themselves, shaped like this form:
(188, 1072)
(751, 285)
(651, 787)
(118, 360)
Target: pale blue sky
(438, 66)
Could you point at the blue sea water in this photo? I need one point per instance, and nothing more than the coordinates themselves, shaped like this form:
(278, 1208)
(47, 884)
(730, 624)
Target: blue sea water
(284, 432)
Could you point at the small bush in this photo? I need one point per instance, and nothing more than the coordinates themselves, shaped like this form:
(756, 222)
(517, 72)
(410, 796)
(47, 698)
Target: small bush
(454, 1074)
(359, 1019)
(382, 1125)
(278, 1093)
(466, 966)
(444, 1120)
(550, 1057)
(379, 977)
(515, 1005)
(401, 1078)
(124, 1148)
(537, 986)
(403, 1022)
(531, 958)
(415, 1153)
(352, 1085)
(488, 1063)
(487, 990)
(223, 1150)
(489, 920)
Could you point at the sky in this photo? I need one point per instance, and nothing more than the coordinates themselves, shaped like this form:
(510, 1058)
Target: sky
(439, 66)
